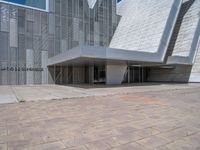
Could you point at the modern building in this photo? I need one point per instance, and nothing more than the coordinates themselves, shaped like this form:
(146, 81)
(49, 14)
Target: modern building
(99, 41)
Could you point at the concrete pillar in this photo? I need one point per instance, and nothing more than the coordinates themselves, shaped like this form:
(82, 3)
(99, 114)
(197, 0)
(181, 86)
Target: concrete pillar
(128, 74)
(115, 73)
(91, 74)
(194, 77)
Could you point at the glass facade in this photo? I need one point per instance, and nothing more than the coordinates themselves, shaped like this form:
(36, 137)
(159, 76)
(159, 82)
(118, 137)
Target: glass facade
(28, 37)
(38, 4)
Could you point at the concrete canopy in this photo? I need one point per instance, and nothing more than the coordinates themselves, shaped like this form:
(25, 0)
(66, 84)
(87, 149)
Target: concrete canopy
(87, 54)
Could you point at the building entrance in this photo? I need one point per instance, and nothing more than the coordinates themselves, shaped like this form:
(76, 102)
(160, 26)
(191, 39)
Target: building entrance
(99, 74)
(94, 74)
(137, 74)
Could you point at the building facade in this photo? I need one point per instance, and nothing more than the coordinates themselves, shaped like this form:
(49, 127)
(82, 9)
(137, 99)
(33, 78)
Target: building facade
(99, 41)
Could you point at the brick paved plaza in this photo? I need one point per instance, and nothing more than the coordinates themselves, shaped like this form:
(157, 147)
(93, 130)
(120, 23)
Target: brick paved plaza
(167, 119)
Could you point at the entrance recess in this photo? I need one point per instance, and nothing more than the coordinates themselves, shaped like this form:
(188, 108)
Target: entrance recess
(137, 74)
(99, 74)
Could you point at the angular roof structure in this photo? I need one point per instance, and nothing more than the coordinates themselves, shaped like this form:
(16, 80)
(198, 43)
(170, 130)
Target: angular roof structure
(186, 36)
(91, 3)
(143, 24)
(143, 33)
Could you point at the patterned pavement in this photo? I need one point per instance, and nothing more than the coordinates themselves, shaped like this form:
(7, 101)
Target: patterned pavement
(164, 120)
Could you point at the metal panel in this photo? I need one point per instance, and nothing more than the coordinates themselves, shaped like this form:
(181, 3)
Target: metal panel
(29, 35)
(4, 46)
(51, 5)
(37, 77)
(44, 39)
(29, 15)
(29, 64)
(13, 55)
(4, 11)
(4, 74)
(44, 66)
(13, 33)
(37, 23)
(12, 74)
(51, 23)
(21, 21)
(22, 51)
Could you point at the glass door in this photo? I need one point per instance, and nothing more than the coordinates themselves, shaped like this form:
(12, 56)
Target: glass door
(99, 74)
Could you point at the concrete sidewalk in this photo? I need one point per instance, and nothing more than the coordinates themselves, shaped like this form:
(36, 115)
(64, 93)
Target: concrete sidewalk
(12, 94)
(7, 95)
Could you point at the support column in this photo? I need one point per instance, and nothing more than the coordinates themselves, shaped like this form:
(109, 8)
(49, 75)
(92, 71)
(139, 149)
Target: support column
(91, 74)
(128, 75)
(115, 74)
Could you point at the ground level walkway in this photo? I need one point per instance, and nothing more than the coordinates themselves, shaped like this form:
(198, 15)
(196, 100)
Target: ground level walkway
(159, 117)
(12, 94)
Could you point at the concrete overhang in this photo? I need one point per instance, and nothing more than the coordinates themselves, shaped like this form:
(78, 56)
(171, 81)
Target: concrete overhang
(87, 54)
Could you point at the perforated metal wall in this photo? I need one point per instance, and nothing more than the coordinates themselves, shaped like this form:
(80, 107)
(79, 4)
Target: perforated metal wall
(28, 37)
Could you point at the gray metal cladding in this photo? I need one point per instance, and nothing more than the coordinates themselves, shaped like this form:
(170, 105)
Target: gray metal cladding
(143, 25)
(22, 50)
(21, 31)
(68, 24)
(188, 21)
(4, 17)
(21, 21)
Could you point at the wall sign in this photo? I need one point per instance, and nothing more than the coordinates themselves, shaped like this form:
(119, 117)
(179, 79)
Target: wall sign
(34, 4)
(20, 69)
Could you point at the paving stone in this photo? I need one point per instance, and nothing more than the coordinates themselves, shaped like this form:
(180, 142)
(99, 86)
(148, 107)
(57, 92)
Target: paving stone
(97, 145)
(76, 141)
(146, 119)
(53, 146)
(18, 145)
(179, 133)
(3, 146)
(3, 131)
(162, 148)
(130, 146)
(181, 145)
(78, 148)
(153, 142)
(146, 132)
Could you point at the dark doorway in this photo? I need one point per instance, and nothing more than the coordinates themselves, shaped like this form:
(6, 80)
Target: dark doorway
(99, 74)
(87, 74)
(70, 75)
(137, 74)
(58, 75)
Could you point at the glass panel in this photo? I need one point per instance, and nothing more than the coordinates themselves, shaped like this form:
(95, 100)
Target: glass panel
(39, 4)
